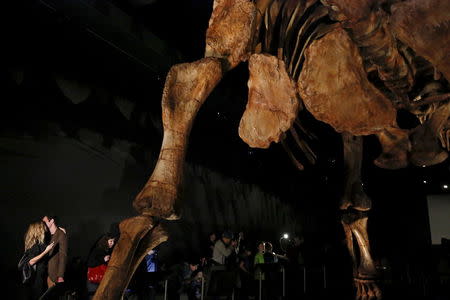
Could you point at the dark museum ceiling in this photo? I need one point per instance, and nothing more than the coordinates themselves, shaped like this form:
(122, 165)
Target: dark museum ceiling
(83, 38)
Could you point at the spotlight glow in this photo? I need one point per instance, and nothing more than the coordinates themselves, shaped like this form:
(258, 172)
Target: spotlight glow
(445, 186)
(285, 236)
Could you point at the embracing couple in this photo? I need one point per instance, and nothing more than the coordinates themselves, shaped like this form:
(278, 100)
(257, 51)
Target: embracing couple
(44, 262)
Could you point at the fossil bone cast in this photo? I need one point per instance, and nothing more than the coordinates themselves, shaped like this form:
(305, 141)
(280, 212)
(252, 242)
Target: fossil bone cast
(350, 63)
(335, 88)
(272, 102)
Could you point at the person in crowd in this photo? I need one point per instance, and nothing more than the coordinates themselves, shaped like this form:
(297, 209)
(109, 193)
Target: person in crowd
(259, 259)
(269, 255)
(58, 254)
(208, 249)
(76, 276)
(179, 276)
(191, 280)
(150, 281)
(211, 242)
(245, 262)
(221, 261)
(144, 282)
(271, 258)
(294, 270)
(294, 251)
(99, 255)
(223, 248)
(36, 256)
(245, 274)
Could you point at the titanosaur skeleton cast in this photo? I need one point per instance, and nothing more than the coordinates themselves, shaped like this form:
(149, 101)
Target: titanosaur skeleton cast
(350, 63)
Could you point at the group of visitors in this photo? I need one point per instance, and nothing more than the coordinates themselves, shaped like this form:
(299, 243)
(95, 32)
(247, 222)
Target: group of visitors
(234, 265)
(228, 262)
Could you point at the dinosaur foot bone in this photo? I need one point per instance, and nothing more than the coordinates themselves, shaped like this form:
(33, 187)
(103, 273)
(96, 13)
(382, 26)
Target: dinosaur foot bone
(367, 289)
(137, 236)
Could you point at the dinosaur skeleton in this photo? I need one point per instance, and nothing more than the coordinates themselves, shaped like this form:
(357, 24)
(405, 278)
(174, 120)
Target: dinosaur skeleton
(350, 63)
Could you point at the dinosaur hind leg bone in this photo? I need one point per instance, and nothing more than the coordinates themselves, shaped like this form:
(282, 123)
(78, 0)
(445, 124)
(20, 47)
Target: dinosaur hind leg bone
(354, 196)
(355, 204)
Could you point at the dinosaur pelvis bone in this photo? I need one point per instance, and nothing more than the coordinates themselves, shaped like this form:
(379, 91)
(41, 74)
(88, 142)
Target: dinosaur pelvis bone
(272, 102)
(334, 87)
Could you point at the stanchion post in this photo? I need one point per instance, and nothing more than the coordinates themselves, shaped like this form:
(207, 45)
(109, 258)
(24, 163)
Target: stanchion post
(165, 290)
(260, 287)
(284, 281)
(203, 286)
(304, 279)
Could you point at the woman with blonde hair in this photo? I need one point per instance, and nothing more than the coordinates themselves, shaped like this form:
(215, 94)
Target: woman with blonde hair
(35, 251)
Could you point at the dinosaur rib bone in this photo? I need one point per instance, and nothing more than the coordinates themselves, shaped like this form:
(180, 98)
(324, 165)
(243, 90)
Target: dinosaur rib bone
(291, 155)
(309, 153)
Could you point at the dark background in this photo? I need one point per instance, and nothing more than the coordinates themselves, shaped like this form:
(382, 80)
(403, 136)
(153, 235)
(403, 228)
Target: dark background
(86, 161)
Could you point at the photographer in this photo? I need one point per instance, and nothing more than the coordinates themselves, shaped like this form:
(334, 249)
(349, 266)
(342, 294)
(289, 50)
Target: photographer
(223, 248)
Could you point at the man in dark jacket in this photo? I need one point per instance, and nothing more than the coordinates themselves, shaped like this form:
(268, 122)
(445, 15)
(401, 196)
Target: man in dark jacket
(58, 255)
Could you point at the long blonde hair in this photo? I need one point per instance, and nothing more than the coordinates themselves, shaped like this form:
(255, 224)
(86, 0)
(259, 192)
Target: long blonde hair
(35, 234)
